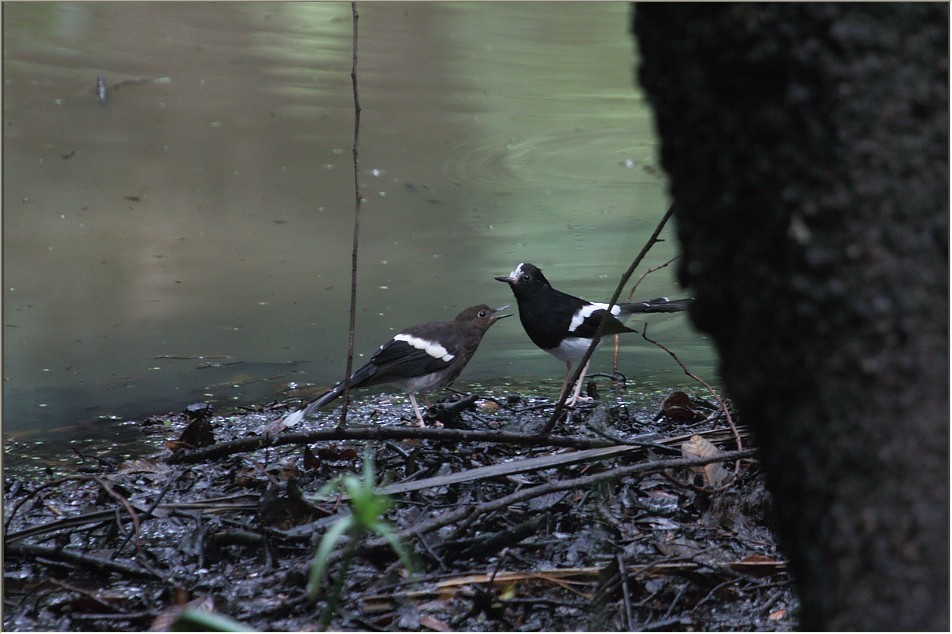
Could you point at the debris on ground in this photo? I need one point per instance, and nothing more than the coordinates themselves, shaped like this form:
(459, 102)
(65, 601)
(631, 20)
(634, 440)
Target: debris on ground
(618, 520)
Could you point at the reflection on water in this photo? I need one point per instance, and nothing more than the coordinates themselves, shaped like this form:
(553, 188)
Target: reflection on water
(192, 239)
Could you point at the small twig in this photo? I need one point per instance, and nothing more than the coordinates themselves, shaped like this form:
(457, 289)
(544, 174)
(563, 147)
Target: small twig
(206, 507)
(102, 462)
(29, 496)
(631, 294)
(125, 503)
(625, 595)
(353, 253)
(85, 593)
(674, 602)
(648, 272)
(715, 590)
(662, 623)
(580, 366)
(720, 401)
(633, 441)
(76, 559)
(149, 511)
(769, 603)
(502, 558)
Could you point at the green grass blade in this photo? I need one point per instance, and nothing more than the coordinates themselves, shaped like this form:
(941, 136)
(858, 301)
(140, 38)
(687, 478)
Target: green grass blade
(324, 549)
(383, 529)
(190, 620)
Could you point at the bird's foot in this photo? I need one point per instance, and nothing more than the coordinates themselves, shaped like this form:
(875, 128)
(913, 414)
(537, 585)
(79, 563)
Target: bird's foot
(419, 423)
(572, 402)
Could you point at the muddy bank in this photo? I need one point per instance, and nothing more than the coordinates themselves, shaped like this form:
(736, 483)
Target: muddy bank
(614, 522)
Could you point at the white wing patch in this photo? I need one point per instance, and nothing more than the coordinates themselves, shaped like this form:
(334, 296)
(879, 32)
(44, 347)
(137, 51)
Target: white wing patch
(433, 349)
(586, 311)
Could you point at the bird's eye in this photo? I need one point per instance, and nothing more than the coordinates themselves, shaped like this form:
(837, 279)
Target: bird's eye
(483, 313)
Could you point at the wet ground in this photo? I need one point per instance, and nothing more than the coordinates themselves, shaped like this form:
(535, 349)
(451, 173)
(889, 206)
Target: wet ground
(508, 530)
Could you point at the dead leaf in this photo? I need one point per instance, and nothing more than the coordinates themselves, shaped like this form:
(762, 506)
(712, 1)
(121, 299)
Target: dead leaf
(758, 565)
(143, 466)
(310, 460)
(337, 452)
(488, 406)
(679, 406)
(434, 624)
(198, 434)
(699, 447)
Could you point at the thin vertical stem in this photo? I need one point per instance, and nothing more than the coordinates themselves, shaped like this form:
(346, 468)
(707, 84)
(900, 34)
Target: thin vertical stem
(353, 252)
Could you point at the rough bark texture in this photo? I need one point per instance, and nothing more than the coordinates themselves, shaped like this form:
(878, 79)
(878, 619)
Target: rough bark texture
(807, 146)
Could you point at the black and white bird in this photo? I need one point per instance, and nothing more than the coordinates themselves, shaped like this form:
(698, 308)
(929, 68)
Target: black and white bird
(564, 325)
(419, 359)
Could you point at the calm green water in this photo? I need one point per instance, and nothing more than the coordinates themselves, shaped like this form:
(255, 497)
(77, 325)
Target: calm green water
(191, 240)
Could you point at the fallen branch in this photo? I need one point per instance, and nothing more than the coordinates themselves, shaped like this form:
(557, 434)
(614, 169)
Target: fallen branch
(76, 559)
(557, 576)
(253, 443)
(384, 433)
(216, 505)
(474, 511)
(513, 467)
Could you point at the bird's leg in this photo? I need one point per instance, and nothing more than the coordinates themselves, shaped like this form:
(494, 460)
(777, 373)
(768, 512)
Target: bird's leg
(416, 410)
(565, 381)
(576, 396)
(615, 353)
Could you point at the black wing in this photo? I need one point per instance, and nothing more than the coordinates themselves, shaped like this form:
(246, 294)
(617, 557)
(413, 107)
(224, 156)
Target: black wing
(591, 318)
(415, 355)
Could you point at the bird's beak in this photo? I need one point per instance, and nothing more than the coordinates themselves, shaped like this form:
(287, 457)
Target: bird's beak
(498, 317)
(502, 279)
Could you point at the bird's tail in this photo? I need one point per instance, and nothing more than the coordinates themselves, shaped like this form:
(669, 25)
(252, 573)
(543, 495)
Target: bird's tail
(657, 305)
(327, 397)
(357, 379)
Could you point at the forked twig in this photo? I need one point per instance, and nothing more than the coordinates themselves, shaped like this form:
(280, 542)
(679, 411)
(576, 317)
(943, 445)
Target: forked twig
(648, 272)
(631, 294)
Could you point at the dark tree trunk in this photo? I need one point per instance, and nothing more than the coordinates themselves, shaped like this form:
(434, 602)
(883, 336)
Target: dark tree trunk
(807, 146)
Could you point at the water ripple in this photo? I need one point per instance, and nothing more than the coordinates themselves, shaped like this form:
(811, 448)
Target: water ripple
(556, 160)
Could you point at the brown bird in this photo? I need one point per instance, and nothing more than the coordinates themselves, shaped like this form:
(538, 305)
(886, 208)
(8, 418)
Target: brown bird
(419, 359)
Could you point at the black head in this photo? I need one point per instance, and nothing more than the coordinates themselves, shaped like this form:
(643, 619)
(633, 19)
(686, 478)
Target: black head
(481, 316)
(525, 276)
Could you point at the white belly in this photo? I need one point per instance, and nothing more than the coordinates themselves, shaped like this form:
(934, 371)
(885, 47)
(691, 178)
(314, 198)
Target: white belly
(571, 348)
